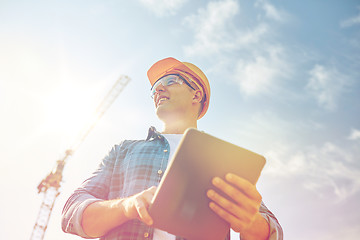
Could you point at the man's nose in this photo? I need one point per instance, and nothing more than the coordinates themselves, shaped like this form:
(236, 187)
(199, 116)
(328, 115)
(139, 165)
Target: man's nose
(159, 88)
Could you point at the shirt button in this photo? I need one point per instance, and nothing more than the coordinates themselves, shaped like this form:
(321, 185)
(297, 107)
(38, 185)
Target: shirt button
(146, 235)
(160, 171)
(165, 150)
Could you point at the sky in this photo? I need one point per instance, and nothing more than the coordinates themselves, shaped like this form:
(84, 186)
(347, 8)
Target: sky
(285, 83)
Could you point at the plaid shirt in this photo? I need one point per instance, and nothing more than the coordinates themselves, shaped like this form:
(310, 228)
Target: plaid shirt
(130, 168)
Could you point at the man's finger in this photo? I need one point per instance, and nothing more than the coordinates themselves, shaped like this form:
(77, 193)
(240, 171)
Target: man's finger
(236, 194)
(235, 223)
(143, 213)
(227, 205)
(244, 185)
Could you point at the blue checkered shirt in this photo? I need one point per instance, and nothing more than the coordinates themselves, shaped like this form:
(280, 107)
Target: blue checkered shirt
(128, 169)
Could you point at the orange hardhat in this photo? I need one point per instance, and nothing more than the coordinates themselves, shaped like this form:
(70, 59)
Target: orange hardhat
(171, 65)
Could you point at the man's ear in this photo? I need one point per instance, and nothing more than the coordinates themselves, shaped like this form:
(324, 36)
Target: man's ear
(197, 96)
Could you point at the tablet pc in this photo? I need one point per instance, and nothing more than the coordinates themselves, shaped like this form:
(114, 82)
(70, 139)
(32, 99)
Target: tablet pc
(180, 204)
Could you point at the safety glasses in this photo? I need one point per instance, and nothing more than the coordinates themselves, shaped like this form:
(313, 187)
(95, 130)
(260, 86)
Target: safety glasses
(169, 80)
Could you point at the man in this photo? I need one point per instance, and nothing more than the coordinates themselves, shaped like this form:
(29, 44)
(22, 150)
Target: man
(112, 203)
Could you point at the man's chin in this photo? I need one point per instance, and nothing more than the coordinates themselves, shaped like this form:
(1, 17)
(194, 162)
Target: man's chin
(165, 115)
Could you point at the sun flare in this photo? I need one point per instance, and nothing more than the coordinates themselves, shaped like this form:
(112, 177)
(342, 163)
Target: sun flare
(70, 110)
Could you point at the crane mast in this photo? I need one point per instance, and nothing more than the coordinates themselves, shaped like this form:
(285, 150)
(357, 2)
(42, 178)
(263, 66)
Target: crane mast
(50, 185)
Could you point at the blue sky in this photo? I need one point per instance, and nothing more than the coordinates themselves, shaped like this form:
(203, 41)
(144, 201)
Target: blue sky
(284, 78)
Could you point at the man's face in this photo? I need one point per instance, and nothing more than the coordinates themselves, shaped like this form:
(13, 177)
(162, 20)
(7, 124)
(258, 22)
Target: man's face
(173, 101)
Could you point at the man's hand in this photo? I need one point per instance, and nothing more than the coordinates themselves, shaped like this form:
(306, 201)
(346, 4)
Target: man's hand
(242, 211)
(136, 206)
(102, 216)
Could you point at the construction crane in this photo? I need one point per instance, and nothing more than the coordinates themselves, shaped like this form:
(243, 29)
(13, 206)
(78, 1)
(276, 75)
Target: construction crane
(50, 185)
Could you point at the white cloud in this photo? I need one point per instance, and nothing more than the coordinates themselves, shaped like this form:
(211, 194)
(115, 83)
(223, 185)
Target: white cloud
(211, 27)
(218, 33)
(162, 8)
(355, 134)
(271, 11)
(217, 30)
(328, 168)
(351, 21)
(260, 74)
(348, 231)
(326, 85)
(325, 167)
(252, 36)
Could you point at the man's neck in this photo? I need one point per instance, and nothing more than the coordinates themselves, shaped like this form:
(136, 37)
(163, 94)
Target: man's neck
(178, 127)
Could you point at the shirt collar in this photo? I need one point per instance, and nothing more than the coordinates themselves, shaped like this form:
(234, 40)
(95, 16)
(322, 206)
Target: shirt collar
(153, 134)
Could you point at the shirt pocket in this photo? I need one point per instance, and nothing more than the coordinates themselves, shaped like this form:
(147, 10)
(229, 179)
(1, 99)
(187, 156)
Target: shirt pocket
(136, 172)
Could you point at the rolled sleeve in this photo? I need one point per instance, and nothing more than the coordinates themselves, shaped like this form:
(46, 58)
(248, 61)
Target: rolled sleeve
(95, 188)
(275, 230)
(72, 216)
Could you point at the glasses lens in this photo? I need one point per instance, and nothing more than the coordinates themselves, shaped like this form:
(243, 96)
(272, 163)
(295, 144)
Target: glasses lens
(165, 81)
(170, 80)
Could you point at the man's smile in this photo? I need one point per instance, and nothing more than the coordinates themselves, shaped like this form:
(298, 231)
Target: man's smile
(161, 99)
